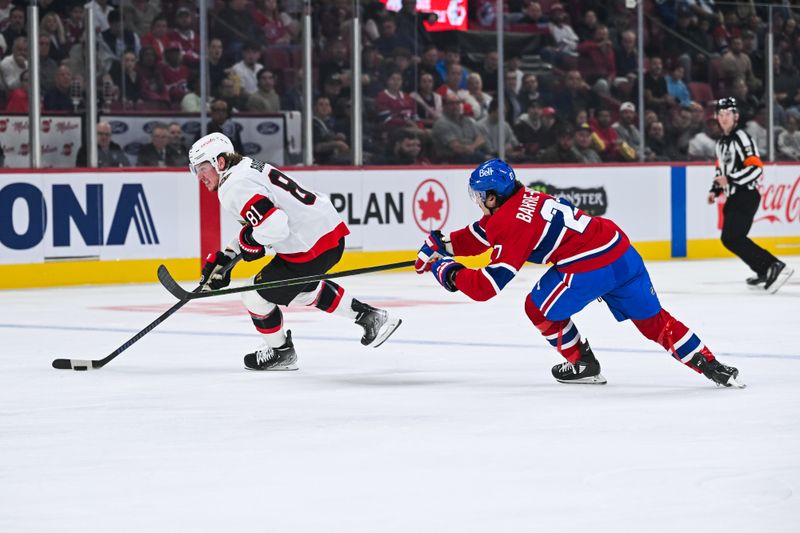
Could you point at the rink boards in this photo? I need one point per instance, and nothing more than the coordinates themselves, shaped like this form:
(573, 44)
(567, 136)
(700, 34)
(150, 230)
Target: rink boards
(77, 227)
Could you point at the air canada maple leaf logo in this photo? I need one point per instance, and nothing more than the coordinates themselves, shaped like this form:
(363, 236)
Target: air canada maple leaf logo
(431, 205)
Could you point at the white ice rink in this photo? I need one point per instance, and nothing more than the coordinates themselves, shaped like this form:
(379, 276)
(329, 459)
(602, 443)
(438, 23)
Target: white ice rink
(454, 425)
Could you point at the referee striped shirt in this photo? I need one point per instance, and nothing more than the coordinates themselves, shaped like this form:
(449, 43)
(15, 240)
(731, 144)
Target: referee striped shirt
(738, 159)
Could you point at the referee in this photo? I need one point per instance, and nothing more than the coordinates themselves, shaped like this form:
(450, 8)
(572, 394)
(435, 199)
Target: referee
(737, 172)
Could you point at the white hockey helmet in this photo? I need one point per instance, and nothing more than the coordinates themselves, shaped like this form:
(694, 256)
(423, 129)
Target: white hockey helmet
(208, 148)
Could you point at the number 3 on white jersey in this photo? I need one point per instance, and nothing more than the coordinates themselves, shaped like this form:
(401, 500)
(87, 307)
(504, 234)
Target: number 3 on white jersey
(551, 205)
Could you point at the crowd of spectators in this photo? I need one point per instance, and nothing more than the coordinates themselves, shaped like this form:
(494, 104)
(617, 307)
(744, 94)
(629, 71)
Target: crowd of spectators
(570, 95)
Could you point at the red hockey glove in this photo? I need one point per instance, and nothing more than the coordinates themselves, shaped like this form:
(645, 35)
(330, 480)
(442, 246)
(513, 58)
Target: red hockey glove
(432, 249)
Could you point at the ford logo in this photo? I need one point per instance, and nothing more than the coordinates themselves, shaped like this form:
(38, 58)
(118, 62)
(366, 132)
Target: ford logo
(117, 127)
(251, 148)
(268, 128)
(148, 126)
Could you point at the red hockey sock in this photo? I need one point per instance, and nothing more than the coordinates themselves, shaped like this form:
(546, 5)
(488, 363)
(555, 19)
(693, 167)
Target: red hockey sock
(563, 335)
(674, 336)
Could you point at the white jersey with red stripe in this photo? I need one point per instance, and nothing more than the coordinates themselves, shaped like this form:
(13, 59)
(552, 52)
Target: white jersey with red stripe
(534, 227)
(297, 222)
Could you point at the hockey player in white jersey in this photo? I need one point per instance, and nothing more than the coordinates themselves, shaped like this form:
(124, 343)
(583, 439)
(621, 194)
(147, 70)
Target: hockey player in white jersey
(303, 229)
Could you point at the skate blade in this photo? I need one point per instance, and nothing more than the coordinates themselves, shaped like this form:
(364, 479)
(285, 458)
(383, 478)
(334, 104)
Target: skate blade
(387, 330)
(274, 369)
(783, 277)
(592, 380)
(734, 383)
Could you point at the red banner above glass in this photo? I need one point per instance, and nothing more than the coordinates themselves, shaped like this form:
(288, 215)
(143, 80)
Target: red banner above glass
(444, 15)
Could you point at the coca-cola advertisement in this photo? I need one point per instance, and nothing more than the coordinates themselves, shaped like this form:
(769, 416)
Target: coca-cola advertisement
(777, 219)
(780, 202)
(60, 137)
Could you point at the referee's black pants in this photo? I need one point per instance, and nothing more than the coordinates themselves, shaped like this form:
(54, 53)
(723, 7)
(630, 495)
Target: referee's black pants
(739, 210)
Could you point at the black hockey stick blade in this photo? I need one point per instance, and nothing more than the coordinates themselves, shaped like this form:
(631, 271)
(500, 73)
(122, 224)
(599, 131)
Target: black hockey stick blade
(91, 364)
(180, 293)
(76, 364)
(171, 285)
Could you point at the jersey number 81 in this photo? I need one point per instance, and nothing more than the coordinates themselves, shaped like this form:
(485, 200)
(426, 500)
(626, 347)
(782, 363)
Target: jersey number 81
(279, 179)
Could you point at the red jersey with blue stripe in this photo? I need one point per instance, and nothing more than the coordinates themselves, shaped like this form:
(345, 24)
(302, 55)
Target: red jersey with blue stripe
(534, 227)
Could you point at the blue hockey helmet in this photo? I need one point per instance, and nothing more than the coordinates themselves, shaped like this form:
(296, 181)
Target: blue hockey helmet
(495, 176)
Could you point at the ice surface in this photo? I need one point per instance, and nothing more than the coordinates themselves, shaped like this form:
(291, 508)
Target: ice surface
(454, 425)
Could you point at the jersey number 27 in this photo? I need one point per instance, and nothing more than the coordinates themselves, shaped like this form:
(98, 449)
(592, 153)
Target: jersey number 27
(551, 206)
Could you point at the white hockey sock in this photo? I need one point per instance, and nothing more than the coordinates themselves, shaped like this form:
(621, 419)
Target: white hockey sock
(328, 297)
(267, 318)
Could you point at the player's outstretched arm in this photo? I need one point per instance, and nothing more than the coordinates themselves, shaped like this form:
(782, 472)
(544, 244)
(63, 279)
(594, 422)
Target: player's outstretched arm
(471, 240)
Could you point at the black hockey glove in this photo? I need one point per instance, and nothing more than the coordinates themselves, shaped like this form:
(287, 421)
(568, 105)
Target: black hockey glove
(251, 248)
(212, 276)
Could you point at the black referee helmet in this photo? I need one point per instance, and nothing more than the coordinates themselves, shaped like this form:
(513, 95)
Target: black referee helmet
(727, 103)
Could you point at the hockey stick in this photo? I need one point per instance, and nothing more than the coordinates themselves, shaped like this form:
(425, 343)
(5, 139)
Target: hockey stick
(178, 292)
(91, 364)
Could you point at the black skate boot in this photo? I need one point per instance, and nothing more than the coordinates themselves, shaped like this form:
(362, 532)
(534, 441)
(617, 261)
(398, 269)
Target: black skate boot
(376, 323)
(266, 358)
(756, 282)
(776, 276)
(722, 375)
(586, 370)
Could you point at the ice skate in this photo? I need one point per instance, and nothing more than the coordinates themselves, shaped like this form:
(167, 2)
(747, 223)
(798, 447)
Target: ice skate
(777, 274)
(267, 358)
(585, 371)
(722, 375)
(756, 282)
(376, 323)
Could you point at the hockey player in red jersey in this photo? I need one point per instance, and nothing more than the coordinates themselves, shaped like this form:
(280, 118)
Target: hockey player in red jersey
(303, 229)
(591, 257)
